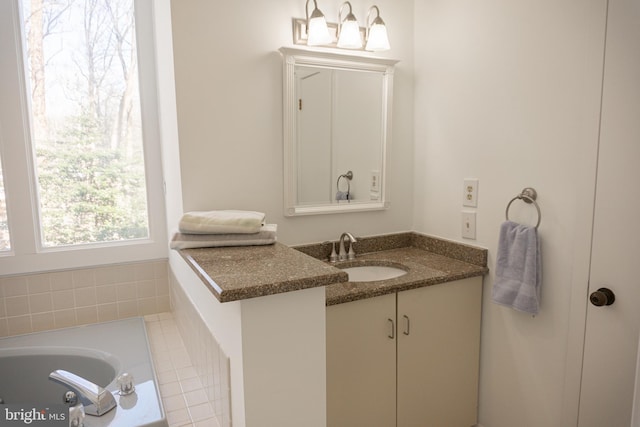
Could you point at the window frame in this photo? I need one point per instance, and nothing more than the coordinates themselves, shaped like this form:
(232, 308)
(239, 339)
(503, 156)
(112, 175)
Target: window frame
(27, 254)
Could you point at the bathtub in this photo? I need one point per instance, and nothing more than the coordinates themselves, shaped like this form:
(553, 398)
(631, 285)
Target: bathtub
(99, 353)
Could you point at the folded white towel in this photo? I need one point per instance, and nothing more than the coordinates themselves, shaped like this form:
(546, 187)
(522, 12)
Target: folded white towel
(266, 236)
(518, 268)
(221, 222)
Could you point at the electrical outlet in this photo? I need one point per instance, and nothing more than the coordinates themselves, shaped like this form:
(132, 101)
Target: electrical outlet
(375, 182)
(470, 193)
(469, 225)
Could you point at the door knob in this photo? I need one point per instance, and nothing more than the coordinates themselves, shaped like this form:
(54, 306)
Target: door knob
(602, 297)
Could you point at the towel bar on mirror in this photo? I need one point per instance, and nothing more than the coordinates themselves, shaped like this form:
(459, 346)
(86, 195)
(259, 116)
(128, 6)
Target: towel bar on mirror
(528, 195)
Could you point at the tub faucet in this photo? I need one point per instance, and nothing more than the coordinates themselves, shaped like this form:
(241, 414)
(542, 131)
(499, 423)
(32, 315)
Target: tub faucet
(342, 256)
(96, 400)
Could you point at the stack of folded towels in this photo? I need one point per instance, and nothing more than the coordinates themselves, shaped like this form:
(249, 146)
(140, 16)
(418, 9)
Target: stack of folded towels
(210, 229)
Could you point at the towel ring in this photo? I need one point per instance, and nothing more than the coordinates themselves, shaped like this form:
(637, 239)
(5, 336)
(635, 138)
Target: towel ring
(349, 177)
(528, 195)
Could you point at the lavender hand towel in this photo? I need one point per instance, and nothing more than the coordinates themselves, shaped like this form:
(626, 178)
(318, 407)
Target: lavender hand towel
(518, 268)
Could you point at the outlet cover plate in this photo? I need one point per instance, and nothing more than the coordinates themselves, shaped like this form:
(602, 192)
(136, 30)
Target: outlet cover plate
(470, 193)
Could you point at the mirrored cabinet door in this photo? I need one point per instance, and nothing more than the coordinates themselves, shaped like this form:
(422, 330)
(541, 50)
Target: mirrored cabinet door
(337, 128)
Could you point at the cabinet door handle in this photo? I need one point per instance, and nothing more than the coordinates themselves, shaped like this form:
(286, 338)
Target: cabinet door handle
(392, 334)
(407, 329)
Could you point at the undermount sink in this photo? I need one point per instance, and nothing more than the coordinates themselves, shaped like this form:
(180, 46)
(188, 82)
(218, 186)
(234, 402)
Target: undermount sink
(373, 273)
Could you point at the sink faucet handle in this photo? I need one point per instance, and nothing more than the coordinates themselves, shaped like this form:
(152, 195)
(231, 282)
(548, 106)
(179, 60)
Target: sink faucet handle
(334, 256)
(343, 252)
(352, 253)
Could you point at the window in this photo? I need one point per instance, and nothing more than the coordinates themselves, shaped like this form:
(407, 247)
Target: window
(81, 153)
(85, 120)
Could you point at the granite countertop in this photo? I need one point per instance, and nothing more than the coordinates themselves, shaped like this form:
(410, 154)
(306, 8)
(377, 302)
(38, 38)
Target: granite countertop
(423, 269)
(428, 261)
(237, 273)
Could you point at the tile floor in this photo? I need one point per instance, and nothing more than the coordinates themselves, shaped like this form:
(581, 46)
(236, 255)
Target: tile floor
(184, 398)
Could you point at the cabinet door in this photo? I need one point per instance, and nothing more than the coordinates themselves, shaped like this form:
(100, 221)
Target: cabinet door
(438, 354)
(361, 363)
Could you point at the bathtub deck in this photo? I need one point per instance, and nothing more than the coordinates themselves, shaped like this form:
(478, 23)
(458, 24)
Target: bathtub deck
(183, 396)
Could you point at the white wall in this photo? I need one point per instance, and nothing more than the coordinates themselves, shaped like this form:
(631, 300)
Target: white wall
(508, 92)
(284, 359)
(229, 97)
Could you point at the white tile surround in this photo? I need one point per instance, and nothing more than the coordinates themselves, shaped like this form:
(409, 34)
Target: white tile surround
(210, 362)
(185, 400)
(44, 301)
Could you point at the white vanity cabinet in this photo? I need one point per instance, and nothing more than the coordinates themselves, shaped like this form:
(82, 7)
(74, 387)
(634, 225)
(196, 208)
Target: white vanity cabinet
(408, 359)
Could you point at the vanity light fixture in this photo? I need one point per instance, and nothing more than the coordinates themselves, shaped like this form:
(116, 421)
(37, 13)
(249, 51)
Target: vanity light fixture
(348, 29)
(376, 34)
(317, 30)
(346, 34)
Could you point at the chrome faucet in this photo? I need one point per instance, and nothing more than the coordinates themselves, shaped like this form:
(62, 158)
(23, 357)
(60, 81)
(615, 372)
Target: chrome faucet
(343, 256)
(96, 400)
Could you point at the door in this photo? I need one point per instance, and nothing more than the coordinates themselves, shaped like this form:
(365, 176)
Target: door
(313, 145)
(611, 338)
(361, 363)
(438, 354)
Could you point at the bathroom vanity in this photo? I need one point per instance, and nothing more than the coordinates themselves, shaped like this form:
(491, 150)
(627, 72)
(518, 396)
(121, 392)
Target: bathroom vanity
(405, 351)
(308, 347)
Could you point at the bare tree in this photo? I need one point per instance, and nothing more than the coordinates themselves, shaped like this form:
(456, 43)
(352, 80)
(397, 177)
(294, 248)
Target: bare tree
(94, 30)
(43, 21)
(35, 39)
(122, 19)
(109, 44)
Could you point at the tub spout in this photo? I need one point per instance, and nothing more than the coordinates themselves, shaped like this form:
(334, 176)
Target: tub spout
(96, 400)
